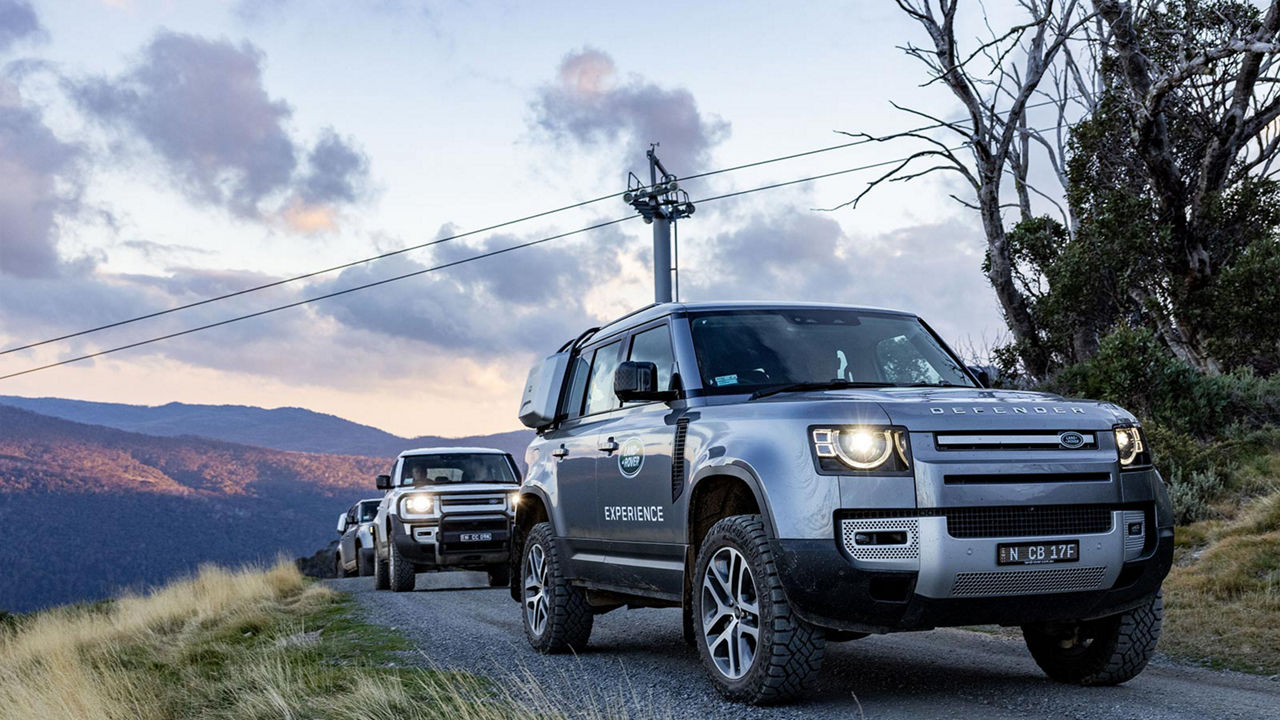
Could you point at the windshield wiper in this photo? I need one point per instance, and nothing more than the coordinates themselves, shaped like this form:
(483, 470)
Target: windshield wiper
(823, 385)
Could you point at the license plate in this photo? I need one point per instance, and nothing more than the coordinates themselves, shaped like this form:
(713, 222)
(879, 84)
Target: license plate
(475, 537)
(1038, 553)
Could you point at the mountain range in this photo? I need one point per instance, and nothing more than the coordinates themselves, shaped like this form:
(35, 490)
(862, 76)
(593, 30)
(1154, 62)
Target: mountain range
(90, 505)
(287, 428)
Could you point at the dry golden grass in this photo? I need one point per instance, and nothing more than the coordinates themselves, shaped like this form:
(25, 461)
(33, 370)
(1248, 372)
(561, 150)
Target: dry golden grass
(248, 643)
(1222, 599)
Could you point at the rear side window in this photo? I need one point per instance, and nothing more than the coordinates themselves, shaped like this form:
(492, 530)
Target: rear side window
(654, 345)
(604, 364)
(578, 371)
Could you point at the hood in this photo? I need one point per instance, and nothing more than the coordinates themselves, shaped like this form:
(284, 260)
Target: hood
(461, 488)
(943, 409)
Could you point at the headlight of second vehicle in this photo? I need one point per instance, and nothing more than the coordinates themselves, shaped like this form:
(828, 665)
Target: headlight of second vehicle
(417, 504)
(1131, 447)
(864, 448)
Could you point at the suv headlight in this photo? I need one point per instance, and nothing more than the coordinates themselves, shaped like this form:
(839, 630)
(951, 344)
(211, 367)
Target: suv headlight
(862, 447)
(417, 505)
(1131, 447)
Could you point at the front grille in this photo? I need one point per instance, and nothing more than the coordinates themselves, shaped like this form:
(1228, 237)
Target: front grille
(1027, 582)
(1013, 478)
(1038, 521)
(478, 502)
(1029, 440)
(908, 551)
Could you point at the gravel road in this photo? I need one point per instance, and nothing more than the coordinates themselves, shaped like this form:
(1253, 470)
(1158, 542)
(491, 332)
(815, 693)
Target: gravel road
(637, 666)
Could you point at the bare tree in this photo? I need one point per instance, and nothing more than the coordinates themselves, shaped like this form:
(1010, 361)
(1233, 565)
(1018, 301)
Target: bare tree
(996, 82)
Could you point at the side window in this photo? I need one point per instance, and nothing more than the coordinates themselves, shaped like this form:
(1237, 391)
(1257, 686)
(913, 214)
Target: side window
(600, 395)
(578, 370)
(654, 345)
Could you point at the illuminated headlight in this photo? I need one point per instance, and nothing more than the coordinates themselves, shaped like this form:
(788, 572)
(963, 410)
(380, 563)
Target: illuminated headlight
(1131, 447)
(417, 504)
(863, 448)
(513, 499)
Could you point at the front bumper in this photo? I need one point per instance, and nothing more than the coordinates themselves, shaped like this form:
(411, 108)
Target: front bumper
(438, 543)
(828, 588)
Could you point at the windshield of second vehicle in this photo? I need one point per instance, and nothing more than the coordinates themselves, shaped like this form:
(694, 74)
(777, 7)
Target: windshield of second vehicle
(748, 351)
(456, 468)
(368, 510)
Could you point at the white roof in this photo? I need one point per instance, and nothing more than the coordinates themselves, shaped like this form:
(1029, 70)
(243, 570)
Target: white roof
(453, 450)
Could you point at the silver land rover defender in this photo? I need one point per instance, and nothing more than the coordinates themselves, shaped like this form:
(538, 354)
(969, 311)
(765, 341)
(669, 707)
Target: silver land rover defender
(793, 474)
(445, 508)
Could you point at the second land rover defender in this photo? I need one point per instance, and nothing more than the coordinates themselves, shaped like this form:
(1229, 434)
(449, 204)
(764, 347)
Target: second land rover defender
(797, 474)
(445, 508)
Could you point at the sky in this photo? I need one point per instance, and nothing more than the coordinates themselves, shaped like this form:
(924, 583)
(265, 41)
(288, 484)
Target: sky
(154, 154)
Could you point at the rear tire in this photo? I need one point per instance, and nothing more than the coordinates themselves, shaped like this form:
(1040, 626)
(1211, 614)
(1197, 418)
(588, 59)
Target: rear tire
(401, 574)
(1106, 651)
(751, 643)
(381, 571)
(499, 575)
(556, 615)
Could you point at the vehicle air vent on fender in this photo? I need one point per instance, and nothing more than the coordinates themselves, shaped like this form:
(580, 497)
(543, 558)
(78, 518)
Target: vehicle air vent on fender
(677, 458)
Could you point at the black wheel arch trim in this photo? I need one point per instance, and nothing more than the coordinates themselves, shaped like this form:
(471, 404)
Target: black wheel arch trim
(738, 470)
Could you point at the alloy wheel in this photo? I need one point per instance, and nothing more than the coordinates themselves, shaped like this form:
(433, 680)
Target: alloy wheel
(535, 590)
(730, 613)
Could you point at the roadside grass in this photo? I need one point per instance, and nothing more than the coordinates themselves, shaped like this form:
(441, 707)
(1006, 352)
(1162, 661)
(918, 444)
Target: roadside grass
(247, 643)
(1222, 598)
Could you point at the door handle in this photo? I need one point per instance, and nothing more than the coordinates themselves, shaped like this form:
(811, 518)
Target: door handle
(560, 452)
(609, 447)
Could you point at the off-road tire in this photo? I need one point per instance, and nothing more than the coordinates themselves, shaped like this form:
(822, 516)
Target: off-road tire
(381, 570)
(401, 574)
(568, 615)
(499, 575)
(364, 562)
(789, 652)
(1119, 649)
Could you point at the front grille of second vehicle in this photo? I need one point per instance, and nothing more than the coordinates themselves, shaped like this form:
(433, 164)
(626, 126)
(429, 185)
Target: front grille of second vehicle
(1038, 521)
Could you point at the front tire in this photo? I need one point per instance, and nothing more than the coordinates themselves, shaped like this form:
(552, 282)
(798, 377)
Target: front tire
(499, 575)
(556, 615)
(1106, 651)
(364, 562)
(401, 575)
(381, 571)
(751, 642)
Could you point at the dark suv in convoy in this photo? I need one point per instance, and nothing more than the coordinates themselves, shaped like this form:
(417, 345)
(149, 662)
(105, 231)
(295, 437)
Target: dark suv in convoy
(792, 475)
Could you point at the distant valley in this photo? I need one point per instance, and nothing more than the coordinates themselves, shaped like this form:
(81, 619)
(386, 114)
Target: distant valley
(89, 508)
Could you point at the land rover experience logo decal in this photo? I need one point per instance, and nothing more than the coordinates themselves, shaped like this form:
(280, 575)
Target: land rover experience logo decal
(631, 457)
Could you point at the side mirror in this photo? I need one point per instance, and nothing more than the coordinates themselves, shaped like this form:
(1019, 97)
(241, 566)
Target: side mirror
(984, 378)
(384, 482)
(342, 523)
(639, 381)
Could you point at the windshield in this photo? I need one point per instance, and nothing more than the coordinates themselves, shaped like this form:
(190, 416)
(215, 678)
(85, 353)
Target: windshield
(368, 510)
(746, 351)
(452, 468)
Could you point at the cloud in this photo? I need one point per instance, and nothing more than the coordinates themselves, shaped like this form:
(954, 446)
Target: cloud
(201, 106)
(589, 104)
(18, 21)
(40, 181)
(527, 301)
(933, 269)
